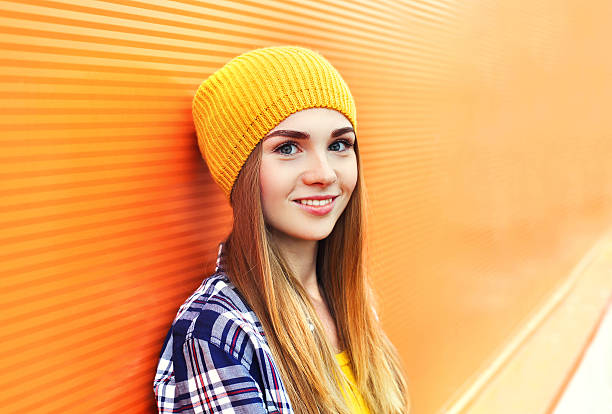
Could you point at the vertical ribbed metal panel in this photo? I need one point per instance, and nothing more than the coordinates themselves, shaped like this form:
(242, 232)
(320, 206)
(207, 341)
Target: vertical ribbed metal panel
(486, 144)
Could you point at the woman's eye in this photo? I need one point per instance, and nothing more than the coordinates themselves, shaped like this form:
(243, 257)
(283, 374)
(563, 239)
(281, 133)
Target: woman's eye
(343, 145)
(285, 149)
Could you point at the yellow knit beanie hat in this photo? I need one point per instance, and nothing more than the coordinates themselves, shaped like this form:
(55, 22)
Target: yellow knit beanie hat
(236, 106)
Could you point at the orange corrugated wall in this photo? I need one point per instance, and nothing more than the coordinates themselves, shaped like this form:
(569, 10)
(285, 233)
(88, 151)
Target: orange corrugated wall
(486, 140)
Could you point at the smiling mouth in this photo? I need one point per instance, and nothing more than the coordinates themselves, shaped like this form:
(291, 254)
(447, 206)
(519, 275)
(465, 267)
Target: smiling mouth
(315, 203)
(317, 207)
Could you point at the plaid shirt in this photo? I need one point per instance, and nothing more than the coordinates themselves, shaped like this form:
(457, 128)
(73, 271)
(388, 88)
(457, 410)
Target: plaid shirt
(215, 358)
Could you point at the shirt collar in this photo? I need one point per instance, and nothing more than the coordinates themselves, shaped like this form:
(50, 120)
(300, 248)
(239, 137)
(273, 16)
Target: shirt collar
(220, 265)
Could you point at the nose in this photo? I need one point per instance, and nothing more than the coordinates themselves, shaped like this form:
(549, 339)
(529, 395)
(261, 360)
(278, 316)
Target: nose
(319, 171)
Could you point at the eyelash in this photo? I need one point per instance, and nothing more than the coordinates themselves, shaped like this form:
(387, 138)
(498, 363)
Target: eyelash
(346, 143)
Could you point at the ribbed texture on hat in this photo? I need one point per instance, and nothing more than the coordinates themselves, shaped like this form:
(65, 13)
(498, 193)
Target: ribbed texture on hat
(236, 106)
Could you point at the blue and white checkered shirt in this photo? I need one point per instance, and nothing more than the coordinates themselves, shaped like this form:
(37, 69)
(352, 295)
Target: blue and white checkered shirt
(215, 358)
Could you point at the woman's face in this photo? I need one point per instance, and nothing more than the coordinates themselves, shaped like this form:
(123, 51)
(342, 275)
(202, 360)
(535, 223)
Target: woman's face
(308, 156)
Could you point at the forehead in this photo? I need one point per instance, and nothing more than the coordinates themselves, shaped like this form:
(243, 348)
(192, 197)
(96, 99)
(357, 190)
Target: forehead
(314, 120)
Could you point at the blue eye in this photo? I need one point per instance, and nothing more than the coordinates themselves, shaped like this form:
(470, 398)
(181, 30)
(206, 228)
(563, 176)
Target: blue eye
(347, 144)
(340, 145)
(288, 144)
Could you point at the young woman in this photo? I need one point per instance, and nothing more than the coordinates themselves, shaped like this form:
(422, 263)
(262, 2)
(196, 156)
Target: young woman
(286, 324)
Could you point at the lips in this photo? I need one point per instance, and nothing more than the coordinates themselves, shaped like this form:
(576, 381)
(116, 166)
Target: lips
(317, 197)
(317, 210)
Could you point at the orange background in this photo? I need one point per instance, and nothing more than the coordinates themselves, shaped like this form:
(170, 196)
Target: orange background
(486, 143)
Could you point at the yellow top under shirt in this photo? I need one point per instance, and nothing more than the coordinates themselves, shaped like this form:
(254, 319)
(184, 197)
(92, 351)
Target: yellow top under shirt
(354, 399)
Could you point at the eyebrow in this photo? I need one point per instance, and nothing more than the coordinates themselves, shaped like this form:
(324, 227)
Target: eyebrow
(305, 135)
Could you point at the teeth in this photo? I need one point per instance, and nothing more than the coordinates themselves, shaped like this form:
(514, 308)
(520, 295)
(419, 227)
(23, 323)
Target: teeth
(316, 202)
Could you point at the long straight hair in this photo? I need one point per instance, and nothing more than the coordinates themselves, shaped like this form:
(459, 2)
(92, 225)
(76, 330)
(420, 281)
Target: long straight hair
(305, 358)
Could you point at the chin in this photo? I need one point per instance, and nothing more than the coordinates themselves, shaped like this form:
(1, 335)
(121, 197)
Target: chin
(312, 235)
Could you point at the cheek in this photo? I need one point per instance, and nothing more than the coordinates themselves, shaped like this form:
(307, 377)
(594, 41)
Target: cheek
(272, 184)
(350, 176)
(263, 181)
(265, 186)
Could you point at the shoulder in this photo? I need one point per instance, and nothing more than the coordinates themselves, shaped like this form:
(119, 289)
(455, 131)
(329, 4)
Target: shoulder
(215, 357)
(217, 313)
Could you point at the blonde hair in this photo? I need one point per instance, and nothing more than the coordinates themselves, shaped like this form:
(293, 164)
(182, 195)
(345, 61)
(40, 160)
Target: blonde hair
(305, 358)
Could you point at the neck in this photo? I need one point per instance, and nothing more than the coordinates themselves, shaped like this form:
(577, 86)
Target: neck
(301, 256)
